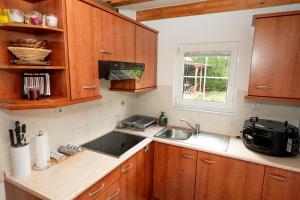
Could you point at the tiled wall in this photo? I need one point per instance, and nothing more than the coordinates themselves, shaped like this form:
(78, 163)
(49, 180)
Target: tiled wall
(76, 124)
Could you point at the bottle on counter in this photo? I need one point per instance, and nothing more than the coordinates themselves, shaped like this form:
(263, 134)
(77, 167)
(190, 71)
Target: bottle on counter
(163, 119)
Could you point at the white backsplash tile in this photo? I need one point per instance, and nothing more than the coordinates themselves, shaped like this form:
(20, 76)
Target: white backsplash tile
(76, 124)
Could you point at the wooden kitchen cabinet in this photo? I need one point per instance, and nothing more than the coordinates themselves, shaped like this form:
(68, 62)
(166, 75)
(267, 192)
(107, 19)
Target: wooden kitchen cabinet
(281, 184)
(101, 186)
(275, 70)
(174, 172)
(117, 40)
(220, 177)
(83, 35)
(145, 172)
(114, 192)
(145, 52)
(128, 179)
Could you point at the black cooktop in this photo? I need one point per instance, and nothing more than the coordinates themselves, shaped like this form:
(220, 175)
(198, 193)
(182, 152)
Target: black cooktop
(114, 143)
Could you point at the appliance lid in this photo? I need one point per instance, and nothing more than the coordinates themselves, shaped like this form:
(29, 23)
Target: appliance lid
(115, 70)
(270, 125)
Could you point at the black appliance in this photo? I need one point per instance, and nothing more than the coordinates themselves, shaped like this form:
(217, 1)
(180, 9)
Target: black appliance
(113, 143)
(114, 70)
(271, 137)
(139, 122)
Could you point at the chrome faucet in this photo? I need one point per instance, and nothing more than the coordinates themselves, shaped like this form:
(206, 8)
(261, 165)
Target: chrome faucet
(196, 129)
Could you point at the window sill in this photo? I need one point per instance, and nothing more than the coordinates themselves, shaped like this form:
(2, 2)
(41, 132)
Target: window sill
(208, 110)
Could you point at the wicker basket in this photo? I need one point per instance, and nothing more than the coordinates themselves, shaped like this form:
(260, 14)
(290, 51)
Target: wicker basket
(30, 54)
(30, 43)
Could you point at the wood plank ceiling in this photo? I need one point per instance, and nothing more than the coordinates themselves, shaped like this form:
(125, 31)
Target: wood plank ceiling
(117, 3)
(205, 7)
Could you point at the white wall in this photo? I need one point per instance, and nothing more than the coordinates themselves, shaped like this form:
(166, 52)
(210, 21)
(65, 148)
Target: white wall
(221, 27)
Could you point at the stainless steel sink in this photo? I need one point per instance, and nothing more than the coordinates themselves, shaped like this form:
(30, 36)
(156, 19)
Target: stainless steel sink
(174, 133)
(203, 139)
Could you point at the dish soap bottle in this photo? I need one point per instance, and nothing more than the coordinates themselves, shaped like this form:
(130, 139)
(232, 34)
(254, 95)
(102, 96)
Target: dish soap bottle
(163, 119)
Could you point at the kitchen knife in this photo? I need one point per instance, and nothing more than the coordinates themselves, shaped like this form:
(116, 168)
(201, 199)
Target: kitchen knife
(12, 139)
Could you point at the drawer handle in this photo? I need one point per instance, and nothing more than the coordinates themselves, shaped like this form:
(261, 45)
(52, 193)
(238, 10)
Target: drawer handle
(127, 168)
(188, 156)
(114, 195)
(87, 87)
(106, 51)
(277, 178)
(98, 190)
(263, 87)
(208, 161)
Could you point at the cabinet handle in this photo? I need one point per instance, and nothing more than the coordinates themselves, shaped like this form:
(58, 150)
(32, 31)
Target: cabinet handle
(208, 161)
(277, 178)
(87, 87)
(188, 156)
(263, 87)
(91, 194)
(127, 168)
(146, 148)
(106, 51)
(114, 195)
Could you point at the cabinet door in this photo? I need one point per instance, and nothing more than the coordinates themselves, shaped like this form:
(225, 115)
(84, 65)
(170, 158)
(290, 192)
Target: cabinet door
(83, 49)
(124, 40)
(174, 172)
(129, 179)
(145, 173)
(281, 184)
(219, 177)
(106, 44)
(146, 52)
(275, 70)
(114, 192)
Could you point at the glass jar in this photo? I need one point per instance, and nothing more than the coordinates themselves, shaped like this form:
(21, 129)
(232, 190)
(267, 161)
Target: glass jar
(4, 16)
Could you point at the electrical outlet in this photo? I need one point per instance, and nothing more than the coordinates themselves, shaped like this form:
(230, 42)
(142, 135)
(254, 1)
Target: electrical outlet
(123, 103)
(59, 111)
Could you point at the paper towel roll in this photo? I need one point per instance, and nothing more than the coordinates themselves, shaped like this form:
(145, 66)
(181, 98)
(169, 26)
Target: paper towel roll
(40, 149)
(20, 159)
(47, 146)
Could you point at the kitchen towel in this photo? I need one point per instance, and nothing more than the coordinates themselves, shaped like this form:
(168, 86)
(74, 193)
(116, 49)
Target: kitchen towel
(20, 159)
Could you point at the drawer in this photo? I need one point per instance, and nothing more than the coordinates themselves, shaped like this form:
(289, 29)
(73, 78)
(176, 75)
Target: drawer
(98, 188)
(113, 193)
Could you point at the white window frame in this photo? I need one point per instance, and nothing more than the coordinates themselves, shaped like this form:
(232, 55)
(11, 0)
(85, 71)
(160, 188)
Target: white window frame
(229, 107)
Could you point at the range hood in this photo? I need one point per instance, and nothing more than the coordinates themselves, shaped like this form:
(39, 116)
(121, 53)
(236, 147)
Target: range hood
(114, 70)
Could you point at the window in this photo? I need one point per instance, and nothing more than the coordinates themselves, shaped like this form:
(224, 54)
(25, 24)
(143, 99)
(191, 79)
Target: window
(204, 77)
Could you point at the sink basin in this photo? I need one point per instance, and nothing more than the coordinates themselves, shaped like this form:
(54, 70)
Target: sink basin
(203, 139)
(174, 133)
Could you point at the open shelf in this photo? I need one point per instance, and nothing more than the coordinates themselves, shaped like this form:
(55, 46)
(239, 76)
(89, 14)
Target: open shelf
(33, 1)
(272, 99)
(50, 102)
(23, 67)
(29, 28)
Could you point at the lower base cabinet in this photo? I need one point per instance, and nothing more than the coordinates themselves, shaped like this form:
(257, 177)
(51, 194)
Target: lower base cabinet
(174, 172)
(225, 178)
(281, 184)
(113, 193)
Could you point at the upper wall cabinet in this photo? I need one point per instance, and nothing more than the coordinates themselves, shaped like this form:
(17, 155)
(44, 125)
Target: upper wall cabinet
(275, 70)
(145, 52)
(117, 40)
(83, 35)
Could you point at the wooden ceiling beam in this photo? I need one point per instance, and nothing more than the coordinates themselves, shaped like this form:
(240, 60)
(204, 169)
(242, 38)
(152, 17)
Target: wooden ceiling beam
(117, 3)
(206, 7)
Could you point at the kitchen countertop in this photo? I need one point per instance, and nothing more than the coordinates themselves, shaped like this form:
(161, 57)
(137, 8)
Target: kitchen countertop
(73, 176)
